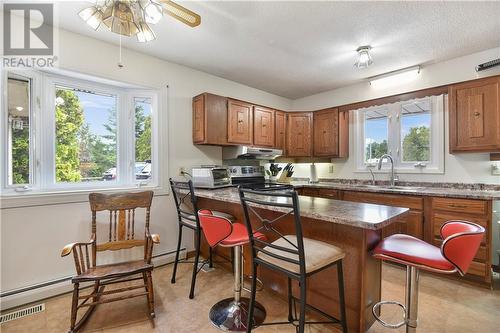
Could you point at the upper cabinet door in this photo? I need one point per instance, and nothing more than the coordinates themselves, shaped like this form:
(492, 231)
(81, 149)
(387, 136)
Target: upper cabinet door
(263, 127)
(240, 121)
(199, 119)
(326, 133)
(299, 134)
(475, 116)
(280, 132)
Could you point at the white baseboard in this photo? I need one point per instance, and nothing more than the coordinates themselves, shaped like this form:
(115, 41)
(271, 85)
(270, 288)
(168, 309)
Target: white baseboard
(38, 292)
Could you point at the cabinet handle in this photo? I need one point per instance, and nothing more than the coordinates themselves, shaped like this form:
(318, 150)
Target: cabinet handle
(264, 125)
(477, 114)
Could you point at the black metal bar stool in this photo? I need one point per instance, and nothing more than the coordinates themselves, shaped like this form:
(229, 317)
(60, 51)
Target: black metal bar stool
(293, 255)
(187, 208)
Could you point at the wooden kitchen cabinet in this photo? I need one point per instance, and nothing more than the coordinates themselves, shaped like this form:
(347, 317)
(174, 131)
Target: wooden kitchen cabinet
(280, 130)
(240, 122)
(343, 134)
(210, 119)
(299, 134)
(476, 211)
(326, 133)
(410, 224)
(475, 116)
(263, 127)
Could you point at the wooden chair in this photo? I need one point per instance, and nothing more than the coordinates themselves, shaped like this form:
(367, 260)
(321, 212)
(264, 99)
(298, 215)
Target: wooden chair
(122, 208)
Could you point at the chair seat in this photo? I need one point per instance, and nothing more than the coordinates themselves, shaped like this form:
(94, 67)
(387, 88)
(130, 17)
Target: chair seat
(408, 250)
(239, 236)
(189, 220)
(317, 254)
(113, 270)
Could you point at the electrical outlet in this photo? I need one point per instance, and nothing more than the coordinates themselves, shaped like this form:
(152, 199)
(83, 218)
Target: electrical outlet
(181, 171)
(495, 170)
(331, 168)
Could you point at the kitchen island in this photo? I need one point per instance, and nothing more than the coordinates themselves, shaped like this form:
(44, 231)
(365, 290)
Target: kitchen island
(354, 227)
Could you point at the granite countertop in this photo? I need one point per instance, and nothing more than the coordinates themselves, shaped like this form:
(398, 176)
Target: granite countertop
(361, 215)
(450, 190)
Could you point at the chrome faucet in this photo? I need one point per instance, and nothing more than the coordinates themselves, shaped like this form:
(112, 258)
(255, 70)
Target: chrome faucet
(393, 179)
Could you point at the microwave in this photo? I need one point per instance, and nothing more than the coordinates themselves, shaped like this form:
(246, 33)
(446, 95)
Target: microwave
(210, 177)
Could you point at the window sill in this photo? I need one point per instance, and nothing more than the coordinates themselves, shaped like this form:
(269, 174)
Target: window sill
(56, 197)
(423, 171)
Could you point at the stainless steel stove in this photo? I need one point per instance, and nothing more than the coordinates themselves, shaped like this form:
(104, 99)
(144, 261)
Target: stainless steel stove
(247, 174)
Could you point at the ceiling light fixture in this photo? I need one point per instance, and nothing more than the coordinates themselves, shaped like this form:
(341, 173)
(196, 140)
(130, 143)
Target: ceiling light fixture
(19, 108)
(133, 17)
(396, 77)
(364, 58)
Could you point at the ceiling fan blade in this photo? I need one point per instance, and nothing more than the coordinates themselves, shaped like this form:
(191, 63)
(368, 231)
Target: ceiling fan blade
(180, 13)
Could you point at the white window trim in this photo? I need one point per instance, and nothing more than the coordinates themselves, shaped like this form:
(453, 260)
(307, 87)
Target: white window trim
(436, 166)
(44, 189)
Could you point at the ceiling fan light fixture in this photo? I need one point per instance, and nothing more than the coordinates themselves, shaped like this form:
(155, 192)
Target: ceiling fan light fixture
(119, 18)
(132, 17)
(364, 57)
(145, 34)
(92, 16)
(152, 12)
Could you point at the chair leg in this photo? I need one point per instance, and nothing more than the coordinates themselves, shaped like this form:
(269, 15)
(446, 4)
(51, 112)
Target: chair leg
(195, 265)
(340, 277)
(177, 254)
(252, 299)
(290, 300)
(151, 297)
(302, 318)
(210, 258)
(74, 307)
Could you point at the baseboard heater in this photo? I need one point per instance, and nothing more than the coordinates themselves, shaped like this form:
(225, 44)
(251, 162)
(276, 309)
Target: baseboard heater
(64, 279)
(488, 65)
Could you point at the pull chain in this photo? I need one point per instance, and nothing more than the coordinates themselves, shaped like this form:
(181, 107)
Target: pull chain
(120, 64)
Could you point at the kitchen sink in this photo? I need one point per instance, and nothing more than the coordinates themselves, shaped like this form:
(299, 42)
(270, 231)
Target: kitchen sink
(395, 187)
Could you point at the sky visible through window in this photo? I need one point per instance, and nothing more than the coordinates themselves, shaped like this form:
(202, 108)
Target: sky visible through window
(96, 111)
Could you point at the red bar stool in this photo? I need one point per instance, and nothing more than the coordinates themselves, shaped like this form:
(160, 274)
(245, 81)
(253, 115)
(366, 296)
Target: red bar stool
(230, 314)
(461, 241)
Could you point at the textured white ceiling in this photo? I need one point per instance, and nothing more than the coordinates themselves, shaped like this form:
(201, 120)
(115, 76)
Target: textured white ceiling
(296, 49)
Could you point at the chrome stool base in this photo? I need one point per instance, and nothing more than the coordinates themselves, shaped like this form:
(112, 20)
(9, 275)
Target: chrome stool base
(232, 316)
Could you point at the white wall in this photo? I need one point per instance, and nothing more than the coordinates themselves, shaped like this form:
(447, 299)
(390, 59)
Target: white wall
(466, 168)
(32, 238)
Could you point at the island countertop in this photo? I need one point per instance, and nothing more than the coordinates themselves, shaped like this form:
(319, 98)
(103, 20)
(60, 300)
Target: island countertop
(360, 215)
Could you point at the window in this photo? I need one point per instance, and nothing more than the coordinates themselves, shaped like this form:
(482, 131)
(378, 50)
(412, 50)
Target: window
(143, 113)
(376, 134)
(84, 135)
(86, 141)
(412, 132)
(18, 131)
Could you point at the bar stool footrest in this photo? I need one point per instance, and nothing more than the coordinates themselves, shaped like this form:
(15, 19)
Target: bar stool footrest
(386, 324)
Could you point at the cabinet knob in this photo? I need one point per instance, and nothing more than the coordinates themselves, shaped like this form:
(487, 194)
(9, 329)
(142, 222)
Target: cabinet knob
(477, 114)
(324, 132)
(240, 121)
(264, 125)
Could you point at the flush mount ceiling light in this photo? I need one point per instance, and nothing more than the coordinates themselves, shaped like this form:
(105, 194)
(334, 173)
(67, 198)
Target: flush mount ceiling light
(133, 17)
(19, 108)
(397, 77)
(364, 58)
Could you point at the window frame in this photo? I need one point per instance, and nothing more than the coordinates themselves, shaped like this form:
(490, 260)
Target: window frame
(43, 144)
(394, 140)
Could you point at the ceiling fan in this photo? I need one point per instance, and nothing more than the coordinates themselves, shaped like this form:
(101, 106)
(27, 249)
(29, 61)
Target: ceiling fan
(133, 17)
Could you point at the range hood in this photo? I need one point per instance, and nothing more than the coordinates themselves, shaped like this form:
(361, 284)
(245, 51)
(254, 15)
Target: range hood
(246, 152)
